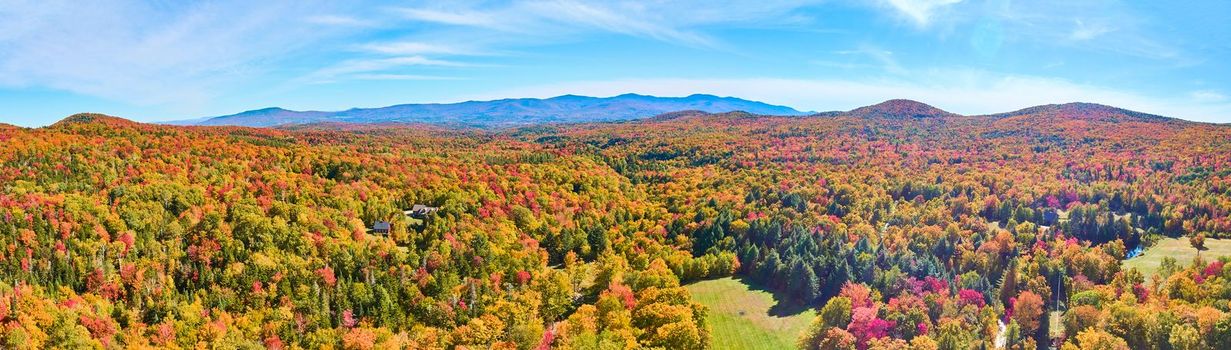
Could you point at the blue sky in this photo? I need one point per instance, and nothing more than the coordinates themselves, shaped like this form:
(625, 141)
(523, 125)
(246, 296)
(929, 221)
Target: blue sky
(170, 60)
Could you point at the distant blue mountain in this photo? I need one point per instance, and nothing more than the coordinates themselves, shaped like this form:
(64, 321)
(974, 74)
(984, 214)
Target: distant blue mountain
(507, 112)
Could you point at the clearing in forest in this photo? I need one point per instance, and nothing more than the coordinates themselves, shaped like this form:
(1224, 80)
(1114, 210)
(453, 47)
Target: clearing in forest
(1178, 248)
(745, 317)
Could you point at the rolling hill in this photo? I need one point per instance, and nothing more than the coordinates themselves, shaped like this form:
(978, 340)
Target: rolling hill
(1084, 111)
(899, 108)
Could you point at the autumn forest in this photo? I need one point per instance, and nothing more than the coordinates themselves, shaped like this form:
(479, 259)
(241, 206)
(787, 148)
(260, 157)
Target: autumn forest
(899, 225)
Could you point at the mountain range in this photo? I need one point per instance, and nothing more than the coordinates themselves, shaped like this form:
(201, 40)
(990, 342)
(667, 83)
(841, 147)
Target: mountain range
(506, 112)
(578, 109)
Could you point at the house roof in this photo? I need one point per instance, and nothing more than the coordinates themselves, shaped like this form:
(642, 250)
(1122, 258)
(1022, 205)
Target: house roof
(381, 225)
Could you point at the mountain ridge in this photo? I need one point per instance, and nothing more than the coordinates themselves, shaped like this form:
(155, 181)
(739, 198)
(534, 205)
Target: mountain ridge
(504, 112)
(890, 109)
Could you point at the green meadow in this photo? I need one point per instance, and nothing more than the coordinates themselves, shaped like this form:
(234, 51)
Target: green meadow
(744, 317)
(1178, 248)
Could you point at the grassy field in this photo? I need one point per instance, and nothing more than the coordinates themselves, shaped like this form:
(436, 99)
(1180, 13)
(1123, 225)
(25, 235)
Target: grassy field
(743, 317)
(1178, 248)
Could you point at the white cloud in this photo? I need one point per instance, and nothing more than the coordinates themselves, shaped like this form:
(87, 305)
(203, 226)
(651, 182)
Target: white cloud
(402, 77)
(184, 54)
(1208, 96)
(419, 48)
(1083, 31)
(337, 20)
(920, 11)
(460, 17)
(674, 22)
(1106, 26)
(630, 20)
(458, 29)
(447, 34)
(175, 54)
(368, 68)
(965, 92)
(881, 56)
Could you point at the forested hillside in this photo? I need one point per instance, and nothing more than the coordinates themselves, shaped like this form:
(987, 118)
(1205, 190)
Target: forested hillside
(929, 231)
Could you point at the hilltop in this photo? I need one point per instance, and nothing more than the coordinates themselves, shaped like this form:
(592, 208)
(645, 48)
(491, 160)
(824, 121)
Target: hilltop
(93, 118)
(1085, 111)
(899, 108)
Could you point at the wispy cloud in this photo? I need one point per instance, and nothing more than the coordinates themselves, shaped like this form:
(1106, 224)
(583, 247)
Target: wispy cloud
(378, 67)
(402, 77)
(183, 55)
(167, 54)
(1208, 96)
(617, 20)
(564, 16)
(1093, 26)
(457, 32)
(457, 17)
(920, 12)
(1083, 31)
(1096, 26)
(884, 58)
(338, 20)
(419, 48)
